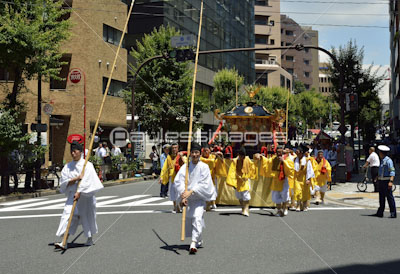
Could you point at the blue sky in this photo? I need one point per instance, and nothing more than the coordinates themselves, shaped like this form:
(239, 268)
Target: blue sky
(374, 40)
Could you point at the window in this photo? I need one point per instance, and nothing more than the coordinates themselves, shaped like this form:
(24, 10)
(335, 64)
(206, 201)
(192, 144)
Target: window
(261, 3)
(307, 86)
(62, 84)
(289, 33)
(283, 81)
(289, 58)
(281, 31)
(306, 50)
(116, 87)
(290, 70)
(282, 44)
(288, 84)
(112, 35)
(261, 39)
(306, 74)
(262, 78)
(261, 20)
(272, 41)
(272, 23)
(306, 62)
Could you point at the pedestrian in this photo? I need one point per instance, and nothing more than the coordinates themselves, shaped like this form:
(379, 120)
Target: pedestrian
(374, 163)
(323, 172)
(154, 159)
(240, 172)
(163, 158)
(386, 176)
(98, 152)
(302, 179)
(277, 168)
(85, 210)
(115, 151)
(200, 189)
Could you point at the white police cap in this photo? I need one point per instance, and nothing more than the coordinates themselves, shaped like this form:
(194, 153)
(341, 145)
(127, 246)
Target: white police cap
(383, 148)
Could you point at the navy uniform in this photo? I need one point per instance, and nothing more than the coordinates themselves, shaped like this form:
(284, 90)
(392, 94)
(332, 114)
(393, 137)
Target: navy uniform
(385, 176)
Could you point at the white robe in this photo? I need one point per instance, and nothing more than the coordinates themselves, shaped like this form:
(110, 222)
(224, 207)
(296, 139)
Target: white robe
(201, 183)
(85, 210)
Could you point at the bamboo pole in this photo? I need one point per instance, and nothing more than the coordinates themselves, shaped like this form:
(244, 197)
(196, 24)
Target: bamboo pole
(236, 87)
(191, 120)
(287, 114)
(98, 119)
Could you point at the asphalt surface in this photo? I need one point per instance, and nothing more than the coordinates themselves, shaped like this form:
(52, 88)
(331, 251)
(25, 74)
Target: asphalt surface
(144, 237)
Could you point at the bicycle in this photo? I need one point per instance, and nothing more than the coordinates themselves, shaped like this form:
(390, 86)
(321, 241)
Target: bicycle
(363, 185)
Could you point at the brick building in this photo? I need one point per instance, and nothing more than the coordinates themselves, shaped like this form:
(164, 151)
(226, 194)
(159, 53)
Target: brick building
(95, 36)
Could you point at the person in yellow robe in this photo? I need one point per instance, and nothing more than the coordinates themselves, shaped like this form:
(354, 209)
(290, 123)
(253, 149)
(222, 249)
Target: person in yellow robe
(290, 176)
(303, 172)
(241, 170)
(277, 168)
(322, 170)
(168, 174)
(211, 160)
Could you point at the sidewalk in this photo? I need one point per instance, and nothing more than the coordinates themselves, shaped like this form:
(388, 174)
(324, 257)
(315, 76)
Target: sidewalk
(347, 193)
(47, 192)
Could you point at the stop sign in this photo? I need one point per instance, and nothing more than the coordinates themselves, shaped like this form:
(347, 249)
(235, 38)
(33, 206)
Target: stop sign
(75, 76)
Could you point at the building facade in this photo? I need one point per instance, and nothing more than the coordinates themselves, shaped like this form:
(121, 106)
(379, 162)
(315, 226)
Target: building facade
(91, 48)
(325, 81)
(299, 63)
(226, 24)
(394, 94)
(269, 71)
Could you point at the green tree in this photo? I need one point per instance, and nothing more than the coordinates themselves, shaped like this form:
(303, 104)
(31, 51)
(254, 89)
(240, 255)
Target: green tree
(224, 93)
(164, 87)
(361, 81)
(312, 106)
(31, 33)
(298, 87)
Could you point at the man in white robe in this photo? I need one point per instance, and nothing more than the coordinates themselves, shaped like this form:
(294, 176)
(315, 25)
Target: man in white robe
(200, 190)
(85, 210)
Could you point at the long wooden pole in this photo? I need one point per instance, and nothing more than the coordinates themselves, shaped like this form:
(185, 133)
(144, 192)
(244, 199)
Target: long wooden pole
(287, 114)
(191, 119)
(98, 119)
(236, 88)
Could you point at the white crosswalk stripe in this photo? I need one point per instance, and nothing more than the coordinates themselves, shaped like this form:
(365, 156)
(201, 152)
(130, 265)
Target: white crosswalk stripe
(37, 204)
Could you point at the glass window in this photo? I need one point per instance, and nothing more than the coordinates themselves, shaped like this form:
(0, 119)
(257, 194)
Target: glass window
(282, 81)
(306, 74)
(116, 87)
(262, 78)
(272, 42)
(261, 20)
(261, 3)
(112, 35)
(307, 86)
(306, 62)
(261, 39)
(289, 33)
(289, 58)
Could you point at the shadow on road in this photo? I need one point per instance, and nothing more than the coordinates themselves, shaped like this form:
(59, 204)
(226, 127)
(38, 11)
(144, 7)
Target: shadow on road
(173, 248)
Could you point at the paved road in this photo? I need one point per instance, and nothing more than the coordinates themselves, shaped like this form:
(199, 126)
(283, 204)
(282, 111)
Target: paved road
(139, 234)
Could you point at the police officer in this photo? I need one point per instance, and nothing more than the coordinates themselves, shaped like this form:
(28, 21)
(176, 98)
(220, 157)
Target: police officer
(386, 175)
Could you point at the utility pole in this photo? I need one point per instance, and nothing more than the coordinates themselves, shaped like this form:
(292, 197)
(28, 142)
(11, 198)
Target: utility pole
(38, 132)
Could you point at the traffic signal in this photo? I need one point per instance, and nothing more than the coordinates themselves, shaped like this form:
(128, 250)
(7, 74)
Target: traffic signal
(353, 98)
(182, 55)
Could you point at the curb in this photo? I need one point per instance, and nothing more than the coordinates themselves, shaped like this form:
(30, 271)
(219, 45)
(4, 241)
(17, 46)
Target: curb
(48, 192)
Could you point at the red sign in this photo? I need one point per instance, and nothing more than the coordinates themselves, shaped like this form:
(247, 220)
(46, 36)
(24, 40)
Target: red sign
(75, 137)
(75, 76)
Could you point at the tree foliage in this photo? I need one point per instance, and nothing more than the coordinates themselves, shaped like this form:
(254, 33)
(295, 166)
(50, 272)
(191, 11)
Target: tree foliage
(31, 33)
(163, 89)
(225, 82)
(361, 81)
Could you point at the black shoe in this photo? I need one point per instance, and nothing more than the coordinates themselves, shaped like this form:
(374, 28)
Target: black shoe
(377, 215)
(393, 215)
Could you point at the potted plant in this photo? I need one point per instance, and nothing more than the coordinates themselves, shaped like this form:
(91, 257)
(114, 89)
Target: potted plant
(97, 162)
(124, 169)
(116, 162)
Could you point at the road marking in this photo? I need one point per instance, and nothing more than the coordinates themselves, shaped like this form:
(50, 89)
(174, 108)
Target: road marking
(121, 200)
(159, 211)
(34, 204)
(22, 201)
(145, 201)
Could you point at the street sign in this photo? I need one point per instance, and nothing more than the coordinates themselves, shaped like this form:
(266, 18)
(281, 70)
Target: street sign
(183, 41)
(75, 137)
(48, 109)
(39, 127)
(75, 76)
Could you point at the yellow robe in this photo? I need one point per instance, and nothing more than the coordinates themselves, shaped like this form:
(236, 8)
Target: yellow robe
(301, 189)
(168, 170)
(239, 179)
(289, 172)
(321, 179)
(270, 168)
(222, 167)
(210, 161)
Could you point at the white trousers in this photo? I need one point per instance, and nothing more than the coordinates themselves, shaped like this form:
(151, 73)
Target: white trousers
(323, 188)
(279, 197)
(195, 220)
(85, 214)
(243, 196)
